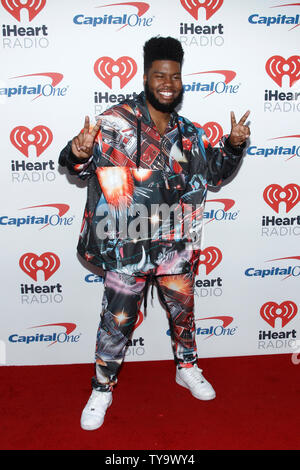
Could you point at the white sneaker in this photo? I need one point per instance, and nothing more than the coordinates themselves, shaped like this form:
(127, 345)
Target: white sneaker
(192, 378)
(92, 416)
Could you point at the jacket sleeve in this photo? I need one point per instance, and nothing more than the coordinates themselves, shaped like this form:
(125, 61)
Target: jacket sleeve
(83, 168)
(209, 166)
(105, 138)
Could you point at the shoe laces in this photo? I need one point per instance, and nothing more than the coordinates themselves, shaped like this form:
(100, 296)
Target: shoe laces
(195, 375)
(96, 398)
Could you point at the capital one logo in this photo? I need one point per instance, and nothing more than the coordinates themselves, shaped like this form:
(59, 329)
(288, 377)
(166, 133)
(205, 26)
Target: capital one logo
(219, 87)
(14, 7)
(55, 336)
(69, 328)
(141, 7)
(31, 263)
(210, 257)
(277, 67)
(286, 311)
(218, 330)
(192, 6)
(274, 194)
(106, 69)
(213, 131)
(49, 89)
(222, 213)
(22, 138)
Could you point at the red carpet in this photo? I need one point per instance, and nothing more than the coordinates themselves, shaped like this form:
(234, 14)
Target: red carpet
(257, 407)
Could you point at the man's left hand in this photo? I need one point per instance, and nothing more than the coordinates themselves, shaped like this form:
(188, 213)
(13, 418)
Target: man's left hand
(239, 132)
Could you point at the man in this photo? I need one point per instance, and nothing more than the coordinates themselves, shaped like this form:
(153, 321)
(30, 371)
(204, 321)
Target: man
(143, 162)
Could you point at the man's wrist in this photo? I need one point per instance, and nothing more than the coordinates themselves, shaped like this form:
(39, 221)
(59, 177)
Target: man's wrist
(235, 148)
(75, 159)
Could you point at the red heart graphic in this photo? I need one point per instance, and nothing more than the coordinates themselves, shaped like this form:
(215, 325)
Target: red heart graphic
(31, 263)
(106, 68)
(274, 194)
(192, 6)
(212, 257)
(139, 320)
(22, 137)
(277, 67)
(14, 7)
(271, 310)
(213, 131)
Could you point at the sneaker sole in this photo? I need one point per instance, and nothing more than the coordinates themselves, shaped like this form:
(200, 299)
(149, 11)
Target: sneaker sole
(179, 381)
(90, 428)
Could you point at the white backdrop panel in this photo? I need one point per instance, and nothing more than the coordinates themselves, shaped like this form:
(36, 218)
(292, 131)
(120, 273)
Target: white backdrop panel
(238, 56)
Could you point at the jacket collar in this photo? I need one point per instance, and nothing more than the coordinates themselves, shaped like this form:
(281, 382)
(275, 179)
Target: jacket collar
(141, 112)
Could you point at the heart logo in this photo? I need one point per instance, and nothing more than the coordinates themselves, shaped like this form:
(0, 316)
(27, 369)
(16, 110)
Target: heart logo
(192, 7)
(277, 67)
(210, 257)
(22, 137)
(31, 263)
(106, 68)
(270, 311)
(213, 131)
(274, 194)
(139, 320)
(14, 7)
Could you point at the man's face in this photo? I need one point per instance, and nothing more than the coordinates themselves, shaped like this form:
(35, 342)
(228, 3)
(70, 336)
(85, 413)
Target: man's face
(163, 85)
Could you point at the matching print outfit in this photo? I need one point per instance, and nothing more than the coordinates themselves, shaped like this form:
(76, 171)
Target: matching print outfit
(143, 222)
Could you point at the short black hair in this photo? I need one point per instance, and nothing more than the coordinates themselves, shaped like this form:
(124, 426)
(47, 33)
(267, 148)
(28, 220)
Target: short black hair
(159, 48)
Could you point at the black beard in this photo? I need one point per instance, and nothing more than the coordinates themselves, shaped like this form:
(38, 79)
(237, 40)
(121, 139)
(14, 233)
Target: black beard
(164, 108)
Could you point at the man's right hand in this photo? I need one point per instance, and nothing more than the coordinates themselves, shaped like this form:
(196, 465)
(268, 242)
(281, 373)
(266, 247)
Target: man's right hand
(82, 144)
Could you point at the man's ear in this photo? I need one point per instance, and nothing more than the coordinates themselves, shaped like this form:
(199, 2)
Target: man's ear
(144, 78)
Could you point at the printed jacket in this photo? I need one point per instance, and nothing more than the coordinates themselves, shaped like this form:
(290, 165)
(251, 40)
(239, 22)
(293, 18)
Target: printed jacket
(146, 192)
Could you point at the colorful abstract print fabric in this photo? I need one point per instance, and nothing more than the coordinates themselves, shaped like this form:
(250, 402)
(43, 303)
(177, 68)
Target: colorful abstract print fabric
(146, 192)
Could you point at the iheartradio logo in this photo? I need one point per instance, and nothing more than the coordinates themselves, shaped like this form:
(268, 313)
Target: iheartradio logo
(286, 311)
(14, 7)
(192, 7)
(124, 68)
(213, 131)
(31, 263)
(139, 320)
(22, 138)
(277, 67)
(211, 257)
(274, 194)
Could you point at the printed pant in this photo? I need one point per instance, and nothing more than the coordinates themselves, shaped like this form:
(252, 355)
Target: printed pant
(122, 298)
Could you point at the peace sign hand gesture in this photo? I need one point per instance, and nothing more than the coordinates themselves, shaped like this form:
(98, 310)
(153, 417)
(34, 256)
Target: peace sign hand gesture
(239, 132)
(82, 144)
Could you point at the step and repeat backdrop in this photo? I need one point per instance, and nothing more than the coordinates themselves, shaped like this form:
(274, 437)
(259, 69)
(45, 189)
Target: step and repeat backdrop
(62, 60)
